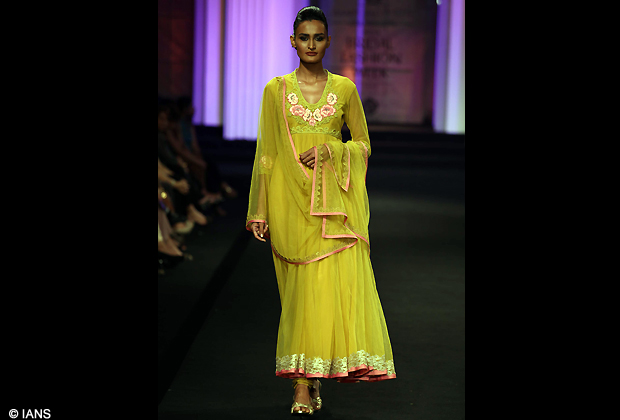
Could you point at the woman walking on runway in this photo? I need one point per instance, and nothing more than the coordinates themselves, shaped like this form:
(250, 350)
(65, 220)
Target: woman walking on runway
(308, 196)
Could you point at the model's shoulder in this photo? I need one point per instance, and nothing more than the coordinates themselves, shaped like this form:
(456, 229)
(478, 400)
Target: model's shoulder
(273, 83)
(343, 81)
(276, 81)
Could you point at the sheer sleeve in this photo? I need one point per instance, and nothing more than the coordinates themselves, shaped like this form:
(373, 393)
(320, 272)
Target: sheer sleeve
(264, 158)
(356, 121)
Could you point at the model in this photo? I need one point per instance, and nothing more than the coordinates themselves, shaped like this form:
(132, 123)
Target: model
(308, 196)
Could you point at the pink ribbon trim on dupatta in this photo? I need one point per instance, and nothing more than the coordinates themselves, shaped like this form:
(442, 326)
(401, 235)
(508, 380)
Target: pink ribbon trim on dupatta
(325, 214)
(314, 259)
(346, 187)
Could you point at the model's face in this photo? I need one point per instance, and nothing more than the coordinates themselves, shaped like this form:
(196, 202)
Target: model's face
(311, 41)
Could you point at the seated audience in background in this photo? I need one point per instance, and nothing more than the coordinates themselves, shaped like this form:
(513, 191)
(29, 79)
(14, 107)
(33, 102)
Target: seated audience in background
(184, 137)
(166, 185)
(174, 174)
(168, 252)
(195, 162)
(166, 245)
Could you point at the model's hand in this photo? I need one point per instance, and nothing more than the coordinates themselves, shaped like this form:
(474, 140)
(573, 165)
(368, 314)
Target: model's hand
(307, 158)
(259, 229)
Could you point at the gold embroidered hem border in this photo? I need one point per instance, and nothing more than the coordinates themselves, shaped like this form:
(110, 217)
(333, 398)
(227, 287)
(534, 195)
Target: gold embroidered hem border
(332, 367)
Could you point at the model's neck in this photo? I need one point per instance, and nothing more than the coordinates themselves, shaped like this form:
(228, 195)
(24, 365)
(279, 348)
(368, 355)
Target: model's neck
(310, 71)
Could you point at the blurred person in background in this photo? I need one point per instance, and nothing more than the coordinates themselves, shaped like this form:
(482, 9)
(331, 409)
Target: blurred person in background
(166, 185)
(168, 253)
(174, 171)
(182, 137)
(195, 163)
(186, 133)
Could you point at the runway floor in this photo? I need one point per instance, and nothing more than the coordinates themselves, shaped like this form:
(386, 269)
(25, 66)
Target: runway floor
(219, 314)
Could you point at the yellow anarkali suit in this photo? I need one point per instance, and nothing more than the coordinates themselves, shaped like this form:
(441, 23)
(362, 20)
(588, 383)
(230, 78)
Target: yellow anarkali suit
(332, 323)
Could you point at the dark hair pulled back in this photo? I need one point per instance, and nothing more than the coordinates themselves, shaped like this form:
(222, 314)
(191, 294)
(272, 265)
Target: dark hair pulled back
(309, 13)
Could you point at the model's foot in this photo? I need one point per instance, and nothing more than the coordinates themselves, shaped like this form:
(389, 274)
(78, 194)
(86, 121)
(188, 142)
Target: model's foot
(302, 395)
(314, 394)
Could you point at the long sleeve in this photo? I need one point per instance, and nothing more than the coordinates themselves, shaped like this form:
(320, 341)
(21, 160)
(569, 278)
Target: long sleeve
(265, 157)
(356, 121)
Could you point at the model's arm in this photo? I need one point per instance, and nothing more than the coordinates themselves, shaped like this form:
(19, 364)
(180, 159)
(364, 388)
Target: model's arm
(356, 121)
(266, 152)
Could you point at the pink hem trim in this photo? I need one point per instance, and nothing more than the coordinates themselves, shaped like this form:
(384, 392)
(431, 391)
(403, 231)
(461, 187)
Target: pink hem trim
(366, 373)
(287, 128)
(344, 235)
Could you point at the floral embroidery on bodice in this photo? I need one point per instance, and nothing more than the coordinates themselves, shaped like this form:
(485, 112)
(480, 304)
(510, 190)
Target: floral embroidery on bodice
(319, 117)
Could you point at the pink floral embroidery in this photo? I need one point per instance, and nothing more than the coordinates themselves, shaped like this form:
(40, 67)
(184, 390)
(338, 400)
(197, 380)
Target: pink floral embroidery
(316, 116)
(297, 110)
(292, 98)
(327, 110)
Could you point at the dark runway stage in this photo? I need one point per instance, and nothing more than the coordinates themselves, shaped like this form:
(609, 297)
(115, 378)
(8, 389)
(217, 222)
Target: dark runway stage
(219, 314)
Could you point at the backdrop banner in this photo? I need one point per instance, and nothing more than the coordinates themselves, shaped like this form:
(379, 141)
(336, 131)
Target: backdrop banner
(394, 57)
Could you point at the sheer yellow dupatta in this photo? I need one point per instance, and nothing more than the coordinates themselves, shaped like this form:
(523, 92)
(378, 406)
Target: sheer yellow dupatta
(339, 180)
(272, 143)
(333, 199)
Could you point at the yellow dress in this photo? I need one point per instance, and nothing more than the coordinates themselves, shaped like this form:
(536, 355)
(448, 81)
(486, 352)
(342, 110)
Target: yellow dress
(332, 323)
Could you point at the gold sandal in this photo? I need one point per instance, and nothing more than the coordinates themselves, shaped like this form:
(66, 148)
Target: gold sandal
(318, 401)
(298, 405)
